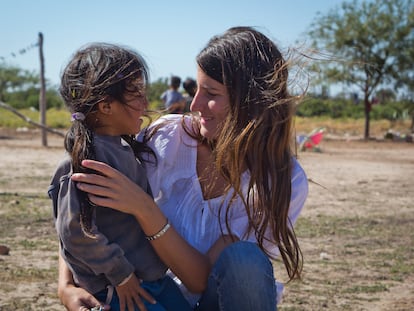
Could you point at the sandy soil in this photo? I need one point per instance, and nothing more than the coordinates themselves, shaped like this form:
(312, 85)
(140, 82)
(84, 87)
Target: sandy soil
(350, 179)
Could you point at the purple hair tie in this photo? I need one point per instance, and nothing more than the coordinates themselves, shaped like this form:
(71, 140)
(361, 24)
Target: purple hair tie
(77, 116)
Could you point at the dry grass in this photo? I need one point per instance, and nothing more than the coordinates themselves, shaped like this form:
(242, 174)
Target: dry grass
(356, 233)
(351, 127)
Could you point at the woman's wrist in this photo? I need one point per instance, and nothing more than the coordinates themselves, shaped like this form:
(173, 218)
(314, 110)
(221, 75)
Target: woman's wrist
(148, 214)
(160, 233)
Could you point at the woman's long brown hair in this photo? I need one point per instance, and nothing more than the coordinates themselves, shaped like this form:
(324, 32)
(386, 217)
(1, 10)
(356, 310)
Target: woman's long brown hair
(257, 134)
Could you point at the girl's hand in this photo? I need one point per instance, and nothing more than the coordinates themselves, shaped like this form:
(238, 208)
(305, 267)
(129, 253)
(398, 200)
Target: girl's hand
(110, 188)
(78, 299)
(72, 297)
(131, 294)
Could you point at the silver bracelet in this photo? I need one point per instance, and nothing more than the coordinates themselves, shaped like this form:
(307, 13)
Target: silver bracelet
(159, 233)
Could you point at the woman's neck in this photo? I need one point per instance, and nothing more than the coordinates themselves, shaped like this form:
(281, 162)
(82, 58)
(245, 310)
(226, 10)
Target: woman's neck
(211, 182)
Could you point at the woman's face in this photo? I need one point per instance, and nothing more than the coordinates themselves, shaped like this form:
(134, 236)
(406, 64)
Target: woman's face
(212, 102)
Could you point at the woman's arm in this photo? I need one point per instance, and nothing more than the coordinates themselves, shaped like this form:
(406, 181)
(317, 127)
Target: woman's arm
(113, 189)
(72, 297)
(221, 243)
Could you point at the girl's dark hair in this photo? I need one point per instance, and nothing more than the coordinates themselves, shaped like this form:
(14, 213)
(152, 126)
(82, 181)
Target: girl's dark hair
(97, 72)
(257, 133)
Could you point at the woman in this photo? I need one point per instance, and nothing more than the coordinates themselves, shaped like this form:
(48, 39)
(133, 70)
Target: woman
(225, 179)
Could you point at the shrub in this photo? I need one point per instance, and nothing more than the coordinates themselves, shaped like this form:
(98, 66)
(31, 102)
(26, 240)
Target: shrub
(312, 107)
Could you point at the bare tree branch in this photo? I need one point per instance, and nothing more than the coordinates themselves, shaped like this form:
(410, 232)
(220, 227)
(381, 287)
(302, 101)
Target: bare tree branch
(28, 120)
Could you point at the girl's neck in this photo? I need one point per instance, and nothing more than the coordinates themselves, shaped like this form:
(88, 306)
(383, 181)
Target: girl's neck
(106, 131)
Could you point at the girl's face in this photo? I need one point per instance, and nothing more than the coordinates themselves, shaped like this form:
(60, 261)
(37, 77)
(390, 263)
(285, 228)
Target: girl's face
(212, 102)
(126, 117)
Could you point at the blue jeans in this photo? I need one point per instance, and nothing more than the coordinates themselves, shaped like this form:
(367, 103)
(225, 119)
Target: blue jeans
(165, 291)
(241, 279)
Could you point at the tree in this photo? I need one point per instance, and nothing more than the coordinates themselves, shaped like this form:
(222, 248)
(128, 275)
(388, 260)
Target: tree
(367, 39)
(20, 89)
(155, 89)
(405, 78)
(15, 79)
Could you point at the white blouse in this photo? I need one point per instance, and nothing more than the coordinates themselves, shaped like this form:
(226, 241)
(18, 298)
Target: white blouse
(176, 189)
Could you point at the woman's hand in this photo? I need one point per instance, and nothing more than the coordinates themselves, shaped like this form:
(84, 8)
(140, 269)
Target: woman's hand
(131, 293)
(111, 188)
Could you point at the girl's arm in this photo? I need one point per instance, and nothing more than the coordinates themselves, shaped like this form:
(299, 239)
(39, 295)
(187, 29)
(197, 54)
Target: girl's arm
(113, 189)
(72, 297)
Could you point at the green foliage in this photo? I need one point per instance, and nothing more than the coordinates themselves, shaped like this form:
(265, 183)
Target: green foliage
(155, 89)
(58, 118)
(20, 89)
(342, 108)
(30, 99)
(391, 111)
(15, 79)
(53, 99)
(313, 107)
(372, 43)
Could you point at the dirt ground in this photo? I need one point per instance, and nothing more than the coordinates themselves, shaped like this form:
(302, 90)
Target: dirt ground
(356, 230)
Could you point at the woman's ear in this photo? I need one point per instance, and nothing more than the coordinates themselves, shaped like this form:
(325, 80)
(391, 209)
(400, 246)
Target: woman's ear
(105, 107)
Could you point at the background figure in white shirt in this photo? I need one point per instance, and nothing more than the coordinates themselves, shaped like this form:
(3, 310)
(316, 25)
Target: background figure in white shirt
(225, 176)
(173, 100)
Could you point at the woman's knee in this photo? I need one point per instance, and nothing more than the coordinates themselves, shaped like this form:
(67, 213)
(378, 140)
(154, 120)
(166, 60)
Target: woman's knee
(244, 258)
(240, 271)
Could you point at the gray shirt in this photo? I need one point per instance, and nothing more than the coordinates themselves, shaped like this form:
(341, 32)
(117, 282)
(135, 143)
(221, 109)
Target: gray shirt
(119, 247)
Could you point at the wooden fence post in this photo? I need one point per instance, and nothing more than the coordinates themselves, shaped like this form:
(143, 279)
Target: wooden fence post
(42, 96)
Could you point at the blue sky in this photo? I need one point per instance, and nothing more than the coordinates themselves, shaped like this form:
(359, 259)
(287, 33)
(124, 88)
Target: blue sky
(169, 34)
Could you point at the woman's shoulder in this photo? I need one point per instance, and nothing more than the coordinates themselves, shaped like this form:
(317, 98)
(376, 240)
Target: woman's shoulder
(167, 122)
(167, 137)
(167, 129)
(175, 151)
(298, 173)
(300, 189)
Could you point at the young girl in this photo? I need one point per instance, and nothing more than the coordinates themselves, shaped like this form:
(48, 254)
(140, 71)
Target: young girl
(103, 86)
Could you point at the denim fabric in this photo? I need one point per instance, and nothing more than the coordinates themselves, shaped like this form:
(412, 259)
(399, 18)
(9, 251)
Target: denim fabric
(164, 291)
(241, 279)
